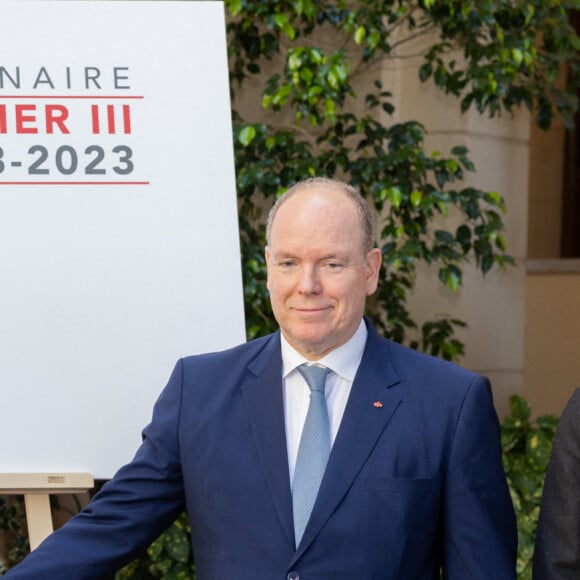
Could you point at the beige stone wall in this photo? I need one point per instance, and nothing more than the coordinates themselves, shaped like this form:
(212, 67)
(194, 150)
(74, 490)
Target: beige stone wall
(552, 337)
(545, 191)
(492, 306)
(552, 313)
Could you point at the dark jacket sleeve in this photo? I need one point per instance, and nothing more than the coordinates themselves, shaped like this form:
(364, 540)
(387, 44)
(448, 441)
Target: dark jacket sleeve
(127, 514)
(479, 525)
(557, 552)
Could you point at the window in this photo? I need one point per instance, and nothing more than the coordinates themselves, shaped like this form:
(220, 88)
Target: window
(571, 193)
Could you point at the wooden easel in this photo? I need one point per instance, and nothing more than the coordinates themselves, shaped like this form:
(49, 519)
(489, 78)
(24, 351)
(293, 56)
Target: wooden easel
(36, 488)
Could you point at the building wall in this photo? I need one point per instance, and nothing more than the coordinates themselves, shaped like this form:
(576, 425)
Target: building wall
(552, 313)
(523, 323)
(552, 337)
(545, 191)
(492, 306)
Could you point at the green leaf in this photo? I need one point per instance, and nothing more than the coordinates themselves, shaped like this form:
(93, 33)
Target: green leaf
(247, 135)
(235, 6)
(517, 55)
(452, 165)
(520, 408)
(294, 61)
(156, 549)
(359, 34)
(460, 150)
(463, 236)
(179, 571)
(425, 71)
(444, 237)
(495, 198)
(330, 108)
(395, 196)
(451, 277)
(538, 448)
(548, 423)
(177, 544)
(416, 198)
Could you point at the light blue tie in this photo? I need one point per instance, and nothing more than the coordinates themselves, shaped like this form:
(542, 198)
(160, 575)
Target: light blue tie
(313, 451)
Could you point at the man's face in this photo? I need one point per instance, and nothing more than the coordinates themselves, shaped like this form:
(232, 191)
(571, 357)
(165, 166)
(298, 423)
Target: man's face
(318, 276)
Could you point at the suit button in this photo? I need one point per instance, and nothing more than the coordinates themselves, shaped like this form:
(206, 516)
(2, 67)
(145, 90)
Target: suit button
(293, 576)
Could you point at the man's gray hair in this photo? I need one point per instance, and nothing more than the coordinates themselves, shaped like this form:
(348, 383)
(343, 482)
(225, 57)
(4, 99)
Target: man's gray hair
(364, 212)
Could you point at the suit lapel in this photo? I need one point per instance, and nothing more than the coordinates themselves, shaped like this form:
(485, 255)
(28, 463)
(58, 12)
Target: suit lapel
(361, 426)
(262, 393)
(370, 407)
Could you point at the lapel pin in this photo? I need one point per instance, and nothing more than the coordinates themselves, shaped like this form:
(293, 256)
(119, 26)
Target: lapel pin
(378, 405)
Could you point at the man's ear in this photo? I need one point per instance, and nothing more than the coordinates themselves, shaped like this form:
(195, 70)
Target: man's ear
(267, 256)
(374, 259)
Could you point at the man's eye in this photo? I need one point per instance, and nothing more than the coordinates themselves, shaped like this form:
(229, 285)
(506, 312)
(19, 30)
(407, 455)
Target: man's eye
(287, 263)
(334, 265)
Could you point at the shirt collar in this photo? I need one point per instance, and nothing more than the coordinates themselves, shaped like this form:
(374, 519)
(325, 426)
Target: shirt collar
(343, 360)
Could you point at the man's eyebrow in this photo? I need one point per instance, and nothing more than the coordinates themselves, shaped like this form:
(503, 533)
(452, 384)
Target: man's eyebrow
(282, 255)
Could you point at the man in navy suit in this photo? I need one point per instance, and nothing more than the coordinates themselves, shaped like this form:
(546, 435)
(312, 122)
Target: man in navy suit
(413, 487)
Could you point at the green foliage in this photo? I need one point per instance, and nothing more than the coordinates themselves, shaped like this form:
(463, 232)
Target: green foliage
(168, 557)
(315, 123)
(512, 53)
(526, 452)
(438, 338)
(493, 54)
(13, 534)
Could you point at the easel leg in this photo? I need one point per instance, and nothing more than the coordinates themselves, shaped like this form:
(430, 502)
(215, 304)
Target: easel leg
(38, 517)
(36, 487)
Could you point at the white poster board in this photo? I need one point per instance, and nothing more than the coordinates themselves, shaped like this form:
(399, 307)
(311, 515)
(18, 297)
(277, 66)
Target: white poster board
(119, 247)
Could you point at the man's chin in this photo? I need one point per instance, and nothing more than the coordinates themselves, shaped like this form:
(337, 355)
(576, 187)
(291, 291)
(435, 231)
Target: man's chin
(312, 345)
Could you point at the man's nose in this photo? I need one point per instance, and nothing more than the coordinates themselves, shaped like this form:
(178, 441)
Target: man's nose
(309, 282)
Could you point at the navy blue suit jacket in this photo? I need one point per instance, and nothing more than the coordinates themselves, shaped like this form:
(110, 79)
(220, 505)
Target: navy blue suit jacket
(414, 483)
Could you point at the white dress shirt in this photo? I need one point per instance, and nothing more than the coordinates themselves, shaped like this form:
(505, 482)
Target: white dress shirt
(343, 362)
